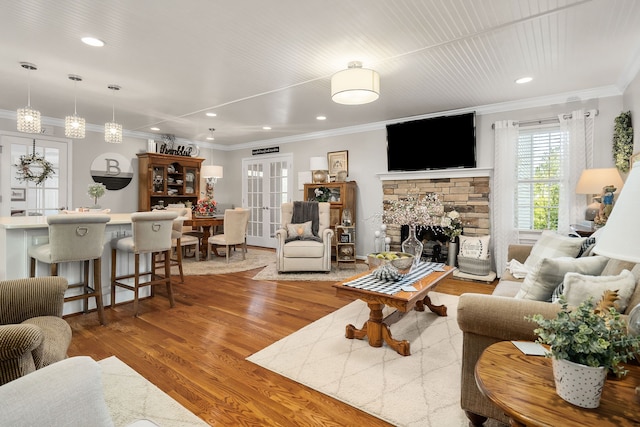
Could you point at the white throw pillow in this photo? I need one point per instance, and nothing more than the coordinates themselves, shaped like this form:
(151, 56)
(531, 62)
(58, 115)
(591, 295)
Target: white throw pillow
(300, 231)
(553, 245)
(580, 287)
(474, 247)
(549, 273)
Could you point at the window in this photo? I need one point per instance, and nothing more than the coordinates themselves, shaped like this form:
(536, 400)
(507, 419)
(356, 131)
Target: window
(539, 173)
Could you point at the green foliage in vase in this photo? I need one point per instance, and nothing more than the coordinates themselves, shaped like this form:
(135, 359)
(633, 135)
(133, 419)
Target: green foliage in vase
(588, 336)
(623, 141)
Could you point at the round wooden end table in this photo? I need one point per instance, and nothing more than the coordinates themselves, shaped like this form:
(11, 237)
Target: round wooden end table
(523, 387)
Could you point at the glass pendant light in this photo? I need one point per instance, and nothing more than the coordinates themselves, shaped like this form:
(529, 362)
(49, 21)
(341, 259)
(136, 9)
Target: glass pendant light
(113, 130)
(28, 119)
(74, 126)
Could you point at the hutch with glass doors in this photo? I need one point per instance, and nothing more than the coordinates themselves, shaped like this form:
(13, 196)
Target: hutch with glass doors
(165, 179)
(341, 195)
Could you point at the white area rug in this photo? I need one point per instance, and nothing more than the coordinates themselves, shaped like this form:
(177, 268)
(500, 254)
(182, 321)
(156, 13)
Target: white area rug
(131, 397)
(336, 274)
(255, 258)
(422, 389)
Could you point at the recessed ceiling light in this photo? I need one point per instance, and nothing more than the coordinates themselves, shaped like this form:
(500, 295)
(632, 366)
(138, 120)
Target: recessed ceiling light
(321, 118)
(92, 41)
(522, 80)
(211, 114)
(155, 128)
(266, 127)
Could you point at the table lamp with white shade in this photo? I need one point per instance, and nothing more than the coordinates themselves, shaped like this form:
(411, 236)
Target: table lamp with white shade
(620, 237)
(592, 181)
(211, 174)
(320, 169)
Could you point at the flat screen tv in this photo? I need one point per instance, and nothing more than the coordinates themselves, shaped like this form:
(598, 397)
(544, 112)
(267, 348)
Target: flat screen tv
(442, 142)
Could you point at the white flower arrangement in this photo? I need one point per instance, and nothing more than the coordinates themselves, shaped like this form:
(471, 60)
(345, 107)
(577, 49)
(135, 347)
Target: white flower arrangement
(452, 224)
(412, 210)
(96, 190)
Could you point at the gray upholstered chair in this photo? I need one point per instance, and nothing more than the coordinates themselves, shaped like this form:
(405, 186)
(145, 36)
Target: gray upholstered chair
(235, 231)
(75, 238)
(151, 235)
(304, 254)
(32, 331)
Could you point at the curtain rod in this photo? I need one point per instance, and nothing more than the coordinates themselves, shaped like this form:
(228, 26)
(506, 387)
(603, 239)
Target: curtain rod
(547, 120)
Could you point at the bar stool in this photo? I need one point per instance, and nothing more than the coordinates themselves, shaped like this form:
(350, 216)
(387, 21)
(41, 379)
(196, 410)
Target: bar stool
(73, 238)
(151, 234)
(180, 239)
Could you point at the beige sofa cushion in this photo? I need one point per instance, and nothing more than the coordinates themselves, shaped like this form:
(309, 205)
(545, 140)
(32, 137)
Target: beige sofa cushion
(553, 245)
(549, 273)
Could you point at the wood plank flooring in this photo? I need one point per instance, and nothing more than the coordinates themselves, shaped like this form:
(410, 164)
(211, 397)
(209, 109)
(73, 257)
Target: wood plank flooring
(196, 351)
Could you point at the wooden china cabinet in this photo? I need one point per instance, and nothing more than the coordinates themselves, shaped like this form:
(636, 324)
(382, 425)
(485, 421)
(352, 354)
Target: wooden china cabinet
(342, 196)
(165, 179)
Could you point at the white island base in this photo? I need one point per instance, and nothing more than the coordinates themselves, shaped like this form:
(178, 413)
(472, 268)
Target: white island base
(17, 234)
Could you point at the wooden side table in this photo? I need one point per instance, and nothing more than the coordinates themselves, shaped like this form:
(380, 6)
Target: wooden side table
(523, 387)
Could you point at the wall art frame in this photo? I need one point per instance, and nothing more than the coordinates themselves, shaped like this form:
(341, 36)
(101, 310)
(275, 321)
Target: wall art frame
(338, 161)
(18, 194)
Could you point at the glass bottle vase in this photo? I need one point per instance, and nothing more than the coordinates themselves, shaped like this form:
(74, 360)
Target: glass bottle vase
(412, 245)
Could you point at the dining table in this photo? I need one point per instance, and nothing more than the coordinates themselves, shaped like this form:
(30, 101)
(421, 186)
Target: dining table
(208, 225)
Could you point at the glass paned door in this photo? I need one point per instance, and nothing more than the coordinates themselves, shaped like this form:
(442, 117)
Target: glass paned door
(26, 197)
(267, 183)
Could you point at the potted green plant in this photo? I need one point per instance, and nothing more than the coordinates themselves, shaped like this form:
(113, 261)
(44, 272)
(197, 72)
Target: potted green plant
(96, 190)
(590, 336)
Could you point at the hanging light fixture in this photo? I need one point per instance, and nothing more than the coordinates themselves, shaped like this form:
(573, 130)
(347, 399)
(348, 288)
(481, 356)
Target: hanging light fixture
(113, 130)
(74, 126)
(355, 85)
(28, 119)
(211, 138)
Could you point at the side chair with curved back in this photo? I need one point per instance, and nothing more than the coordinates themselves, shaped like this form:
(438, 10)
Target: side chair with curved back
(75, 238)
(151, 234)
(235, 231)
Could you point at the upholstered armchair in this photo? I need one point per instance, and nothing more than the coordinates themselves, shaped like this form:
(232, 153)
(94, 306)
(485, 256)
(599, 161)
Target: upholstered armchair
(294, 251)
(32, 331)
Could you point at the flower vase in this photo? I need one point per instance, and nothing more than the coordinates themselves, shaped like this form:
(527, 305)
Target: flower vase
(578, 384)
(452, 253)
(412, 245)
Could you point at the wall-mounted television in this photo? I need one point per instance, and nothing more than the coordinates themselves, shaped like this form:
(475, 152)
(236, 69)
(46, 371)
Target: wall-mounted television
(434, 143)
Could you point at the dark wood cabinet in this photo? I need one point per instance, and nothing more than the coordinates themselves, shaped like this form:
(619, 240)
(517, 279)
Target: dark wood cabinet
(165, 179)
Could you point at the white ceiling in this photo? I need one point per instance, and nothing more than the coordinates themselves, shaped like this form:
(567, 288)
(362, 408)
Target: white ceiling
(269, 62)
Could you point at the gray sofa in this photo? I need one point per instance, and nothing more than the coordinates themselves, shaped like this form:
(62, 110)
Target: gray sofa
(487, 319)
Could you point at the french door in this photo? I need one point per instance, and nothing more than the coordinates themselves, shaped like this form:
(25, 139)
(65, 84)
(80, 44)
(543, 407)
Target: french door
(267, 182)
(26, 197)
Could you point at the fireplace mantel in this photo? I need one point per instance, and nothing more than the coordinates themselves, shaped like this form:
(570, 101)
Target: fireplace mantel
(435, 174)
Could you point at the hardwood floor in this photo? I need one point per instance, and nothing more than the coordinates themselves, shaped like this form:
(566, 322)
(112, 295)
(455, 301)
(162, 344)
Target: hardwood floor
(196, 351)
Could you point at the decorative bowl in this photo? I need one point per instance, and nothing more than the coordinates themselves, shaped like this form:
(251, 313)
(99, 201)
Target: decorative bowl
(400, 260)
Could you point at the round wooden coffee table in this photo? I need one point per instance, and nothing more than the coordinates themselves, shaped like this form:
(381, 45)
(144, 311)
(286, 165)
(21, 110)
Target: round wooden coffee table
(523, 387)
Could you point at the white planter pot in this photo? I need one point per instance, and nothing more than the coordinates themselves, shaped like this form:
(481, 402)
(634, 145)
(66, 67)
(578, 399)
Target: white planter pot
(579, 384)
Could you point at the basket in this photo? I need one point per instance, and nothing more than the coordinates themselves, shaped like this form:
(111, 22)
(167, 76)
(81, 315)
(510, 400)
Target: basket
(477, 267)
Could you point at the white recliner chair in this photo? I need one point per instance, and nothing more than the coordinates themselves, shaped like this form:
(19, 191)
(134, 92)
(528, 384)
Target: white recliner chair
(296, 250)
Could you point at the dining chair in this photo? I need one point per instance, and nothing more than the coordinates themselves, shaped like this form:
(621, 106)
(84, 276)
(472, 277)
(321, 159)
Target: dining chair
(234, 233)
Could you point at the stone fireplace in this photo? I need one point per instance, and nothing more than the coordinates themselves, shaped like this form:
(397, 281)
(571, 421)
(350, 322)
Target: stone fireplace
(468, 194)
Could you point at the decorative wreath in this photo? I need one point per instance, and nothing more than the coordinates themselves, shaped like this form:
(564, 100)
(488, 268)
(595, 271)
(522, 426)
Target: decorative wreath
(623, 141)
(34, 168)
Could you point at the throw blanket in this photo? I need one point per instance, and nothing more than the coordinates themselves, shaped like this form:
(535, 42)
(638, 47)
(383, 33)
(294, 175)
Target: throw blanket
(306, 211)
(517, 269)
